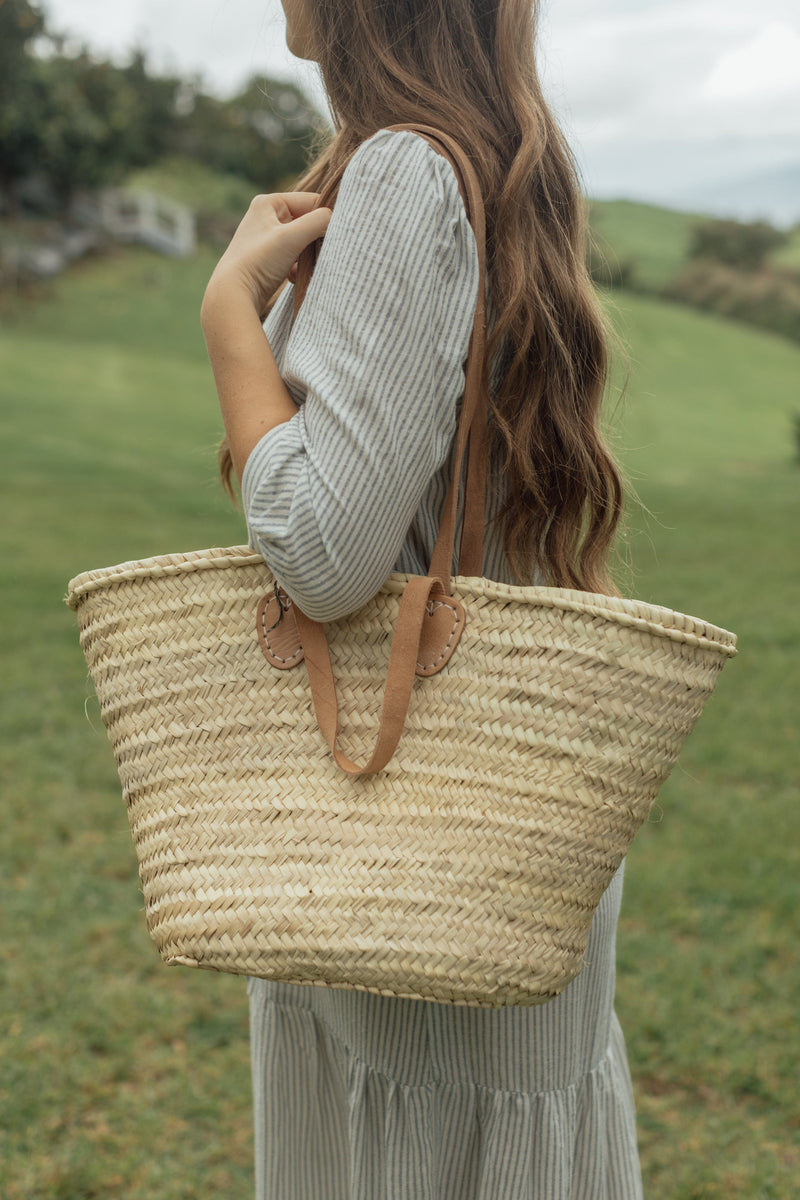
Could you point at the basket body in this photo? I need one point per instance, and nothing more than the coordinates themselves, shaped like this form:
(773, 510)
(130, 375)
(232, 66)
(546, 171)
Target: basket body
(469, 869)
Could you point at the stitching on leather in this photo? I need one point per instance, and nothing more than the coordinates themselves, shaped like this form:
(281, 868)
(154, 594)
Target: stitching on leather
(265, 631)
(453, 610)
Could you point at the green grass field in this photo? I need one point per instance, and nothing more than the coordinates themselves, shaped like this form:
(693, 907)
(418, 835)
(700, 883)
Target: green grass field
(120, 1078)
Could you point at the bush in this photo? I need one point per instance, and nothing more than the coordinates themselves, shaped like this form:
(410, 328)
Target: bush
(735, 243)
(767, 298)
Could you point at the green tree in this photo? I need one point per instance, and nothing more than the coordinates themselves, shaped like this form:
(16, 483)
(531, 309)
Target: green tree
(157, 99)
(74, 122)
(277, 125)
(87, 122)
(262, 134)
(87, 116)
(20, 24)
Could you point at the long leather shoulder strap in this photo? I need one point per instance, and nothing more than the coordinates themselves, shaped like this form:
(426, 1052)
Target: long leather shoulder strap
(419, 591)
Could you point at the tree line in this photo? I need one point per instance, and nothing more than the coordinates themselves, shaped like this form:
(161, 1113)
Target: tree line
(70, 121)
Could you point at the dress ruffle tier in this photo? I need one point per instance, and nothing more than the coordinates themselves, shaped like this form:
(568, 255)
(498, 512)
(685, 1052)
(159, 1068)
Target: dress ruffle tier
(362, 1097)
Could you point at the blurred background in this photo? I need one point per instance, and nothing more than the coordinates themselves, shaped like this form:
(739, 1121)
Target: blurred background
(132, 138)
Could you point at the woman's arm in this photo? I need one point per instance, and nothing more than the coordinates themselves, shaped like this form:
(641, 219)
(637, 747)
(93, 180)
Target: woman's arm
(375, 362)
(252, 395)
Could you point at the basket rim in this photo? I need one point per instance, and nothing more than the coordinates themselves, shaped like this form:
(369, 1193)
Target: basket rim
(650, 618)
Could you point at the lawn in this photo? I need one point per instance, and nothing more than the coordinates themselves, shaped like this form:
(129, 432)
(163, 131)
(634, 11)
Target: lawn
(125, 1080)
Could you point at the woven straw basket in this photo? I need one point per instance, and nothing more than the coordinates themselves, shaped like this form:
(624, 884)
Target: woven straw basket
(470, 867)
(522, 743)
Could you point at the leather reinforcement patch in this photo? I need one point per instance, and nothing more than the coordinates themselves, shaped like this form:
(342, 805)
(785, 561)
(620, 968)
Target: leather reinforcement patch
(279, 636)
(277, 630)
(442, 627)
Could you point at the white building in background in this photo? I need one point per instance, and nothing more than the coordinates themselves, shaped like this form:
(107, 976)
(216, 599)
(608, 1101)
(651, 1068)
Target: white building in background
(151, 220)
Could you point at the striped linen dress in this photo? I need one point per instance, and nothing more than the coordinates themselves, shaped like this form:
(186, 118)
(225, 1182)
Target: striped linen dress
(357, 1096)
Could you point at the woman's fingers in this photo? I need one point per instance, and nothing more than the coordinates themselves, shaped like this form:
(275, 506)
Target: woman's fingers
(287, 206)
(300, 202)
(268, 242)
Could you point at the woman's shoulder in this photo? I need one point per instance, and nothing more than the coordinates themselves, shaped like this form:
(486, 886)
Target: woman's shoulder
(391, 143)
(387, 145)
(400, 161)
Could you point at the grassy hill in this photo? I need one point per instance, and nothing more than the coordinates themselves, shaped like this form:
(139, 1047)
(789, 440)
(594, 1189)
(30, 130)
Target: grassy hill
(121, 1079)
(657, 239)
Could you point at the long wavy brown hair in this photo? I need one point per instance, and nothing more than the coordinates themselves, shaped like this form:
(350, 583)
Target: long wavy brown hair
(468, 67)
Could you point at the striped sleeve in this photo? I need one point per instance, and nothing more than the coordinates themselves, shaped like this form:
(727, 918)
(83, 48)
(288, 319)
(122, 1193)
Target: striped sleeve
(376, 362)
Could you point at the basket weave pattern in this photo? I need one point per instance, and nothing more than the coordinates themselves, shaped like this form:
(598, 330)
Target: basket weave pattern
(469, 869)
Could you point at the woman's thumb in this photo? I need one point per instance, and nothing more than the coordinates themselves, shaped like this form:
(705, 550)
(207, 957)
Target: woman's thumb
(312, 225)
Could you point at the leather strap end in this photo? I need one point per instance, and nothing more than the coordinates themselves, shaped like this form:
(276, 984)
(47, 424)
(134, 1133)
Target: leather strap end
(277, 631)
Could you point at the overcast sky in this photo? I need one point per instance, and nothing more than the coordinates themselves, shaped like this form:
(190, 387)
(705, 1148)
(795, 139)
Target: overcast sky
(682, 102)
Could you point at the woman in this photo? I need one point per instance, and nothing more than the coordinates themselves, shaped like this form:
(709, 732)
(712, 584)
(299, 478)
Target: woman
(339, 428)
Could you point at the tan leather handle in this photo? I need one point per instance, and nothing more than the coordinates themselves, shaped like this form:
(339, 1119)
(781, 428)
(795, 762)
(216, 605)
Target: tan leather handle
(472, 429)
(399, 681)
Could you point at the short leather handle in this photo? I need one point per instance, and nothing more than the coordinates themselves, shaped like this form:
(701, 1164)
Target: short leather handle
(399, 681)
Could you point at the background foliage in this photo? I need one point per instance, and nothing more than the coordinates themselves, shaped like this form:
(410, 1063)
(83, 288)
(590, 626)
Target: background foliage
(69, 121)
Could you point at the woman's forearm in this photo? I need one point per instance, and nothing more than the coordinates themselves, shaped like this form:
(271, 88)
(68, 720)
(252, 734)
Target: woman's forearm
(261, 255)
(252, 396)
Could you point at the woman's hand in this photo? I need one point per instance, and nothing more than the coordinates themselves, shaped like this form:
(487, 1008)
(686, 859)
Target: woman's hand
(262, 253)
(264, 250)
